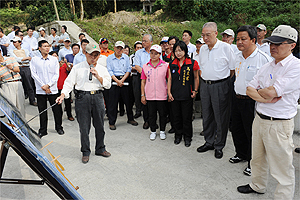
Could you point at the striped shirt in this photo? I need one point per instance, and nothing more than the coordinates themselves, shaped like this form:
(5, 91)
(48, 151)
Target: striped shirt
(7, 75)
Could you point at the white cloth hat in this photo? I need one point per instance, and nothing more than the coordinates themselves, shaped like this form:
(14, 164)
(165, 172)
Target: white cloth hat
(228, 32)
(41, 29)
(120, 44)
(281, 34)
(261, 27)
(156, 47)
(90, 48)
(16, 39)
(200, 40)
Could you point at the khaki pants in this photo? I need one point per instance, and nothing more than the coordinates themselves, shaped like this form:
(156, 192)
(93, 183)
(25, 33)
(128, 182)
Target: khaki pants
(272, 147)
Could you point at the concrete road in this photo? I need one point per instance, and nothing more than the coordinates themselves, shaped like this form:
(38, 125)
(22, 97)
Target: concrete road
(138, 168)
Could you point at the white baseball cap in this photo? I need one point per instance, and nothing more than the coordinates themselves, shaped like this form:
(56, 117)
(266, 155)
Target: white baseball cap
(120, 44)
(261, 27)
(200, 40)
(67, 39)
(16, 39)
(156, 47)
(282, 33)
(90, 48)
(228, 32)
(41, 29)
(164, 39)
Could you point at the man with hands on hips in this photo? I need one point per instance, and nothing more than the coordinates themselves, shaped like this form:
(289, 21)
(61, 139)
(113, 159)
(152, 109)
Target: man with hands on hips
(89, 79)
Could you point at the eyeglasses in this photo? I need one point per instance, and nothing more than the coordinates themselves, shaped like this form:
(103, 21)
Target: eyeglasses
(277, 45)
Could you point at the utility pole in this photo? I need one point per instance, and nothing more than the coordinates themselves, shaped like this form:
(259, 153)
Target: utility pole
(115, 2)
(57, 16)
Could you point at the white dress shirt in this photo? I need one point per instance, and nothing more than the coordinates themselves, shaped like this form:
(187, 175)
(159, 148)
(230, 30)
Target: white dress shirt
(265, 47)
(191, 48)
(4, 40)
(11, 35)
(102, 61)
(215, 64)
(63, 36)
(234, 48)
(80, 57)
(55, 40)
(79, 77)
(63, 52)
(285, 78)
(32, 41)
(245, 69)
(45, 72)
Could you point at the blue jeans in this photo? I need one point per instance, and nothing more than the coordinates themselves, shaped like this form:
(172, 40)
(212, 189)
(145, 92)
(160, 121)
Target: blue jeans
(91, 107)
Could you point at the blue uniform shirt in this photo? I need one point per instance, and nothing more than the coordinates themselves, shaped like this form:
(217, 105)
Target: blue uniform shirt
(118, 67)
(80, 57)
(70, 58)
(141, 57)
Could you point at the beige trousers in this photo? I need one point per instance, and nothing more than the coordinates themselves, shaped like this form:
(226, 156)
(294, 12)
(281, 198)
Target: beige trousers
(272, 147)
(14, 92)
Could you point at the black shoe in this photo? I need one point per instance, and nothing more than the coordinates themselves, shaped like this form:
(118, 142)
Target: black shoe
(202, 133)
(172, 130)
(112, 127)
(236, 159)
(146, 125)
(297, 150)
(132, 122)
(60, 132)
(156, 126)
(205, 148)
(122, 113)
(26, 96)
(187, 143)
(218, 153)
(246, 189)
(177, 141)
(247, 171)
(33, 103)
(137, 115)
(42, 134)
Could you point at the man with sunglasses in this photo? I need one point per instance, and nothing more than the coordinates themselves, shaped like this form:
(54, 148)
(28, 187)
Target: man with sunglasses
(276, 88)
(89, 79)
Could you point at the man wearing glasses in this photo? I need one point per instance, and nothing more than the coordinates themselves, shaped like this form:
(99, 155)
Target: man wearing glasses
(261, 32)
(276, 88)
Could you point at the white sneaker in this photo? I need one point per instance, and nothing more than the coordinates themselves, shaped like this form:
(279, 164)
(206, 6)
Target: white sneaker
(152, 135)
(162, 135)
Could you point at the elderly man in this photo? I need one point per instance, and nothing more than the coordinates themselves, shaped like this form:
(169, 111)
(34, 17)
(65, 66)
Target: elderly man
(103, 44)
(248, 62)
(276, 89)
(10, 81)
(89, 79)
(261, 32)
(119, 69)
(45, 72)
(228, 37)
(142, 57)
(22, 56)
(216, 65)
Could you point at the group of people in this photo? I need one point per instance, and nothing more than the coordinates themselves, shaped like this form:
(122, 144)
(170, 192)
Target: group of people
(251, 88)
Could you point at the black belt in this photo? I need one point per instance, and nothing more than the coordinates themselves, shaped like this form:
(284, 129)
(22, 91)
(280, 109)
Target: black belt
(213, 82)
(119, 77)
(89, 92)
(269, 118)
(238, 96)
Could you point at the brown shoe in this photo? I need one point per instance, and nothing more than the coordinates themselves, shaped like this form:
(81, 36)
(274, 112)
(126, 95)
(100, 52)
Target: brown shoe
(85, 159)
(112, 127)
(71, 118)
(132, 122)
(104, 154)
(33, 103)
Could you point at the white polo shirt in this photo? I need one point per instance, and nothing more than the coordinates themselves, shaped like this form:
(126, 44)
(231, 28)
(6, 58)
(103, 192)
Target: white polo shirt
(285, 78)
(245, 69)
(215, 64)
(265, 47)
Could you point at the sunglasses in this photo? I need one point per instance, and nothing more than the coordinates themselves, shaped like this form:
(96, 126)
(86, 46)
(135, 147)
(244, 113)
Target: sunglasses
(277, 45)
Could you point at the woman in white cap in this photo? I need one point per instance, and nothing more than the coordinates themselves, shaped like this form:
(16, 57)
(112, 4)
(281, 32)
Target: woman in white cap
(154, 90)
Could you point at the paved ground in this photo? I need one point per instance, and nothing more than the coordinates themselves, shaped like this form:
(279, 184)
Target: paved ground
(138, 168)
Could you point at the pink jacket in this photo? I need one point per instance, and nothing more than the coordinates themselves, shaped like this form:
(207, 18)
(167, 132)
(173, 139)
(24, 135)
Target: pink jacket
(156, 80)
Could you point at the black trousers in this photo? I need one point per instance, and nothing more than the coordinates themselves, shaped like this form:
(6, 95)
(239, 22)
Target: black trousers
(4, 50)
(243, 112)
(57, 111)
(136, 85)
(28, 83)
(67, 104)
(155, 106)
(215, 99)
(183, 112)
(112, 107)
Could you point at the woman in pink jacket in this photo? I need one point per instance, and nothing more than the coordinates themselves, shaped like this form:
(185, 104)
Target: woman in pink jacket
(154, 90)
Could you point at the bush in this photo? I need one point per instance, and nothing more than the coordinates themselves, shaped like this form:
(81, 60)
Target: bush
(11, 16)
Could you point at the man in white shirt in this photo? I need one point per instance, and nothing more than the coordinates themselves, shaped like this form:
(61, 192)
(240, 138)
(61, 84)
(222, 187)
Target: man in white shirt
(12, 34)
(66, 49)
(32, 41)
(276, 89)
(55, 39)
(45, 72)
(63, 36)
(80, 57)
(228, 37)
(186, 37)
(48, 38)
(4, 42)
(248, 61)
(261, 32)
(89, 79)
(216, 67)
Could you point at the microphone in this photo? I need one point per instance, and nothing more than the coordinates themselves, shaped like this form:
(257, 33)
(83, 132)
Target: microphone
(91, 75)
